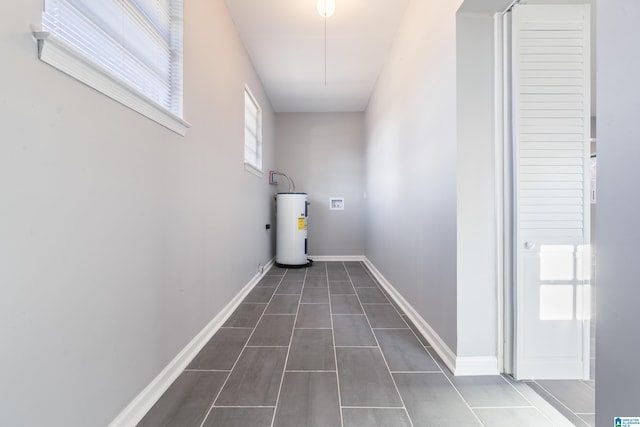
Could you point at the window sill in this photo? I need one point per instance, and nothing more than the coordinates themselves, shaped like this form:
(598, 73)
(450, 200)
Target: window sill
(58, 55)
(252, 169)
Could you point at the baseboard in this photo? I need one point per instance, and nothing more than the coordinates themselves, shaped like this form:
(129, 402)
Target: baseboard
(140, 405)
(343, 258)
(438, 344)
(481, 365)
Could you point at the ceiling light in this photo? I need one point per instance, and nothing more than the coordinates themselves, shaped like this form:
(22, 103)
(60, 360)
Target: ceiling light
(326, 8)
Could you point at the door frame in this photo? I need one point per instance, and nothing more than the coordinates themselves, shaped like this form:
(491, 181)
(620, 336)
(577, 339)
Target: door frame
(504, 191)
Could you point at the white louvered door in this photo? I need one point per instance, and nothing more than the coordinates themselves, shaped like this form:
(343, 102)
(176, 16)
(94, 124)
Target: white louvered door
(551, 122)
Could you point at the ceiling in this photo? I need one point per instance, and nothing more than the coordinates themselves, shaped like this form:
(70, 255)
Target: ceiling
(286, 42)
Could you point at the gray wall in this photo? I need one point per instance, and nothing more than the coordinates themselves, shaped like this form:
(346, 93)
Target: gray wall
(411, 165)
(119, 240)
(618, 272)
(324, 154)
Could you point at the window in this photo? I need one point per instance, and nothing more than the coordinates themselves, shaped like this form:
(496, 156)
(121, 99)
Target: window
(130, 50)
(252, 133)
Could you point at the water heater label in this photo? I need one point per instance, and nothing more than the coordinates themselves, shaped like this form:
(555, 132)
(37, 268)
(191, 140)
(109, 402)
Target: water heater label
(301, 223)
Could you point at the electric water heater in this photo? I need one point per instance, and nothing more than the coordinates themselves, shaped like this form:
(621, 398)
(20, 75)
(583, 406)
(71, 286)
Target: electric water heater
(291, 232)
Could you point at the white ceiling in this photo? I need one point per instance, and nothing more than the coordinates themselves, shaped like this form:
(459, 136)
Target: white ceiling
(286, 42)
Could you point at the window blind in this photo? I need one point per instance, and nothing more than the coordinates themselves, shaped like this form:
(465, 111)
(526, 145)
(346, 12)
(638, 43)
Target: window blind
(252, 132)
(138, 42)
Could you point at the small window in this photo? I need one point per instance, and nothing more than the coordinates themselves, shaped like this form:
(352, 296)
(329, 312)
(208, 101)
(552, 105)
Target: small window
(252, 132)
(130, 50)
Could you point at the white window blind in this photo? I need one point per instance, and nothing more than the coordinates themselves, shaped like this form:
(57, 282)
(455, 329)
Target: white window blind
(252, 132)
(133, 43)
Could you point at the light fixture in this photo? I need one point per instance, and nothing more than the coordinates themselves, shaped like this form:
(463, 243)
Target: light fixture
(326, 8)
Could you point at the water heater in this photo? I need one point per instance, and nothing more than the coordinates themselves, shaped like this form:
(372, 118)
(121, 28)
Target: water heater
(291, 231)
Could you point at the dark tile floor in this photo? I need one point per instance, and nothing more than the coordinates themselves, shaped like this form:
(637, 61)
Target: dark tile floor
(575, 399)
(324, 346)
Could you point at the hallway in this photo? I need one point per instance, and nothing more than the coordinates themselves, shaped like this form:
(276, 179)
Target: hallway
(325, 346)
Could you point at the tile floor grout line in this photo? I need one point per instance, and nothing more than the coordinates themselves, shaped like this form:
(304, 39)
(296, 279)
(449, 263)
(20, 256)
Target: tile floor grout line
(406, 321)
(213, 404)
(266, 346)
(554, 397)
(415, 334)
(502, 407)
(386, 408)
(335, 352)
(244, 407)
(402, 315)
(379, 303)
(286, 358)
(527, 399)
(515, 388)
(588, 385)
(384, 291)
(357, 346)
(234, 327)
(515, 385)
(460, 394)
(386, 295)
(277, 314)
(463, 399)
(393, 380)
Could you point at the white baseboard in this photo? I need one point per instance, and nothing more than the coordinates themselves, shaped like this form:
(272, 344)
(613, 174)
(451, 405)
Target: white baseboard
(438, 344)
(140, 405)
(481, 365)
(343, 258)
(458, 365)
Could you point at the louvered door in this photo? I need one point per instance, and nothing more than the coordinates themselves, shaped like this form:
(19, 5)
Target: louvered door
(551, 118)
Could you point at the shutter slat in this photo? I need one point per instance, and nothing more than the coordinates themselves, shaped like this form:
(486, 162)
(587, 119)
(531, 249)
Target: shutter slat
(551, 161)
(577, 208)
(553, 35)
(551, 114)
(532, 169)
(542, 177)
(551, 201)
(551, 185)
(552, 193)
(550, 73)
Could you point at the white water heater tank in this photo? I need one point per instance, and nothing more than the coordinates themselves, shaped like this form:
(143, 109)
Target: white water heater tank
(291, 232)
